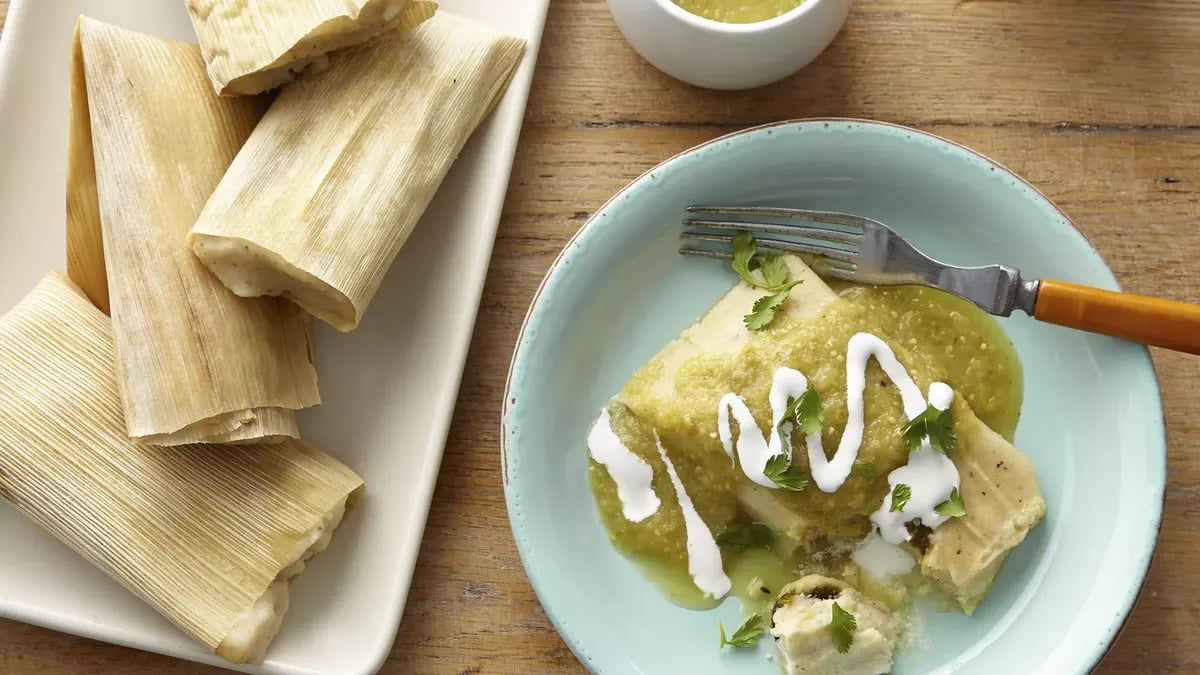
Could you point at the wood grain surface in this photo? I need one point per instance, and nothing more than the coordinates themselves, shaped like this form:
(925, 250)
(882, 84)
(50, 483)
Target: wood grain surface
(1097, 102)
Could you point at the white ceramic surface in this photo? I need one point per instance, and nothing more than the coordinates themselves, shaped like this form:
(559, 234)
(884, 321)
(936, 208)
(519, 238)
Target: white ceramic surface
(389, 387)
(719, 55)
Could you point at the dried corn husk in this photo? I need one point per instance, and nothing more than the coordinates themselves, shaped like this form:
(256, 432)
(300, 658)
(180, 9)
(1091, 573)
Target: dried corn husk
(196, 363)
(330, 184)
(252, 46)
(85, 244)
(207, 537)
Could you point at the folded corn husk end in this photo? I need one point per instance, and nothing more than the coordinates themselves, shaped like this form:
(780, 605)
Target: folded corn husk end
(209, 538)
(241, 427)
(254, 630)
(252, 47)
(250, 271)
(411, 102)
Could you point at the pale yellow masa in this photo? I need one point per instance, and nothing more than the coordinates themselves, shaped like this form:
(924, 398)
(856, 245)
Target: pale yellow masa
(801, 622)
(248, 639)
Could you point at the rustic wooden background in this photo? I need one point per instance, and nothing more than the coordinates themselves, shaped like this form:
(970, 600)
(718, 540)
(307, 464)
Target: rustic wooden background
(1097, 102)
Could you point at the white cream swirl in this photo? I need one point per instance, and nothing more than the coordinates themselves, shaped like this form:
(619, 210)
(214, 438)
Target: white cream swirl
(631, 473)
(929, 474)
(931, 478)
(704, 556)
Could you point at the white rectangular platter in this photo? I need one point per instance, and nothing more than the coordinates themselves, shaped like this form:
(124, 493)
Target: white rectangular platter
(389, 387)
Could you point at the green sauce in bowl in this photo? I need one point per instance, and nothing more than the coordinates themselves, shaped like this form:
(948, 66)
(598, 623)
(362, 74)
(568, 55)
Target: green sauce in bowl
(738, 11)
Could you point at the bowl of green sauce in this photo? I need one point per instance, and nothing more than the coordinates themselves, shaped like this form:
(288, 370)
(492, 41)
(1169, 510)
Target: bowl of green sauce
(729, 44)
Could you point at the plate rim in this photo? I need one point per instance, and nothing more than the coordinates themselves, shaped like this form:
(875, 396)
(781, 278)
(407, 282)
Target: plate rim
(515, 518)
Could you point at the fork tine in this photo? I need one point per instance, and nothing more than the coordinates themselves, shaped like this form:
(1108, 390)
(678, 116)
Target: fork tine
(827, 268)
(705, 252)
(773, 228)
(837, 273)
(831, 217)
(838, 254)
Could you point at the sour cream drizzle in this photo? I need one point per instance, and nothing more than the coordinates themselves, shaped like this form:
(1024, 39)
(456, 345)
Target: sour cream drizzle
(631, 473)
(704, 556)
(930, 474)
(753, 449)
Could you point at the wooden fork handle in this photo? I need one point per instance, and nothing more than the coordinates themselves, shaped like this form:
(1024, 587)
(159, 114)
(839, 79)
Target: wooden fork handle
(1152, 321)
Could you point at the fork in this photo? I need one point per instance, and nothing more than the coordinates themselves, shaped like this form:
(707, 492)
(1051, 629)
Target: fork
(861, 250)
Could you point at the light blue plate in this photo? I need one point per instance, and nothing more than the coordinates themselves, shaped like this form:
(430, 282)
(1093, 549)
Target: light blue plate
(1092, 420)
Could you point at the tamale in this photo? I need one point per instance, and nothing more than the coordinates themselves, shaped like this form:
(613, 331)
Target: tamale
(332, 181)
(196, 363)
(251, 46)
(207, 537)
(998, 483)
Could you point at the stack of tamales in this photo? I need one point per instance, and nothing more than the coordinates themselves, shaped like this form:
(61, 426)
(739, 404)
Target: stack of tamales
(147, 417)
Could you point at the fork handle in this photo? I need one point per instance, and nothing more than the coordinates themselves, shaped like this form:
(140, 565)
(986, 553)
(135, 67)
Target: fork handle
(1151, 321)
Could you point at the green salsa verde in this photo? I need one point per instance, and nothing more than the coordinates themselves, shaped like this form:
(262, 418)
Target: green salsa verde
(738, 11)
(937, 337)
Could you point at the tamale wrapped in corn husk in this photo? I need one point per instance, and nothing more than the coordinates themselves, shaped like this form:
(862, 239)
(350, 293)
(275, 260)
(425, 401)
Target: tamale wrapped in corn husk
(330, 184)
(252, 46)
(195, 362)
(207, 537)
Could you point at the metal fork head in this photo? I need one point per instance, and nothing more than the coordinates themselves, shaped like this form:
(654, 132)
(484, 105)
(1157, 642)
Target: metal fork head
(852, 248)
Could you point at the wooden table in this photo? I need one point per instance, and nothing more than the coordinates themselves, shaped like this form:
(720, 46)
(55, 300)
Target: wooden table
(1097, 102)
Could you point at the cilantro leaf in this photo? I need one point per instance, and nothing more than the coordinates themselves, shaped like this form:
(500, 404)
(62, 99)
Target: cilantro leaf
(780, 470)
(805, 412)
(952, 507)
(774, 271)
(768, 272)
(754, 535)
(764, 310)
(744, 249)
(810, 416)
(746, 635)
(867, 469)
(900, 496)
(936, 425)
(841, 628)
(786, 421)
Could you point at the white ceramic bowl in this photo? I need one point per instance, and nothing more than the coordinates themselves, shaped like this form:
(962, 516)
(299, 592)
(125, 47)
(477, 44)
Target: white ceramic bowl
(720, 55)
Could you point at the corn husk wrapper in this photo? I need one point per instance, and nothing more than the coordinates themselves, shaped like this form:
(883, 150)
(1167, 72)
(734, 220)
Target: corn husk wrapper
(196, 363)
(332, 181)
(85, 239)
(201, 534)
(251, 46)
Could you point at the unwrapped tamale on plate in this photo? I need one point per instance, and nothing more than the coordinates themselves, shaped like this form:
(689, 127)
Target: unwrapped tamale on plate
(149, 143)
(330, 184)
(207, 537)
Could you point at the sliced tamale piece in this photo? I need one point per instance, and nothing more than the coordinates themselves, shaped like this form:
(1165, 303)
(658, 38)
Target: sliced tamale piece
(1000, 489)
(332, 181)
(207, 537)
(195, 362)
(251, 46)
